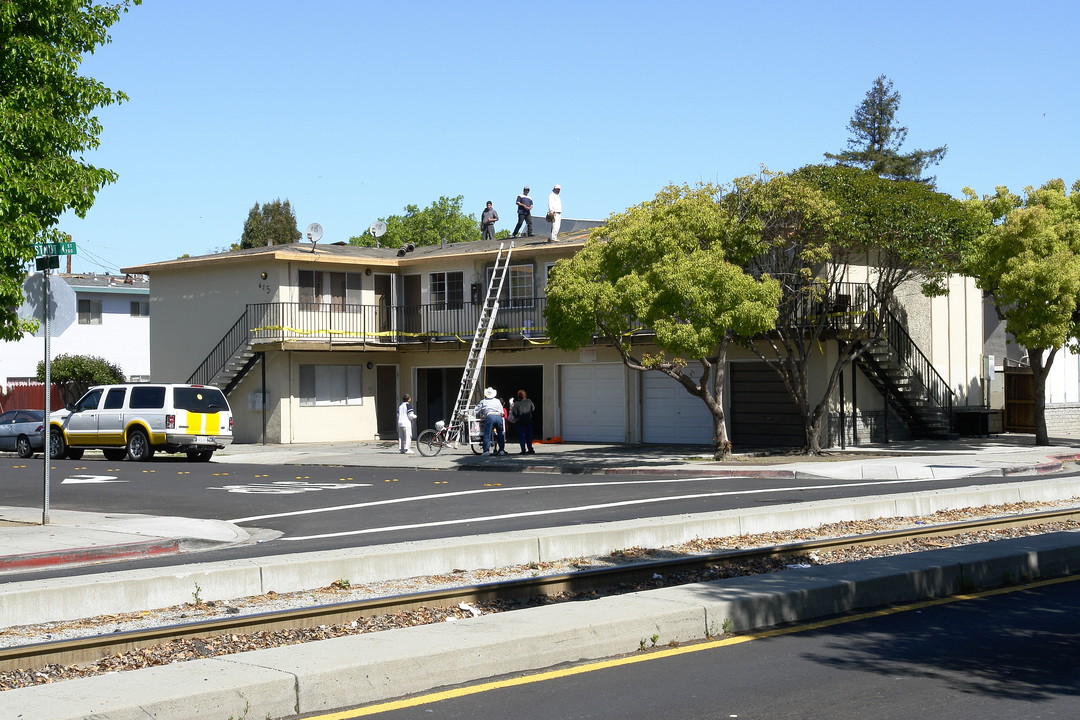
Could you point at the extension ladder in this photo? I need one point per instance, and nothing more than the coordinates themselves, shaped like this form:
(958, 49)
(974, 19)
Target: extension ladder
(463, 406)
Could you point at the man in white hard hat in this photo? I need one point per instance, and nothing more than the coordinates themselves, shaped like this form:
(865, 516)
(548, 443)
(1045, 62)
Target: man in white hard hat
(555, 211)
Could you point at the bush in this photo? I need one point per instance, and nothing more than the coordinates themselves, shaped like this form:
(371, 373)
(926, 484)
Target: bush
(75, 374)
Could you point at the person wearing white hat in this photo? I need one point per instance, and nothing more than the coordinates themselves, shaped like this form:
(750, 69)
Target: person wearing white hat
(405, 417)
(555, 211)
(490, 410)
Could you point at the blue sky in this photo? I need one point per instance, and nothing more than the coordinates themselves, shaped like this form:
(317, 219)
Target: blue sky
(354, 109)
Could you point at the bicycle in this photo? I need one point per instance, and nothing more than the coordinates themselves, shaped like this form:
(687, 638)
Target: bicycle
(432, 442)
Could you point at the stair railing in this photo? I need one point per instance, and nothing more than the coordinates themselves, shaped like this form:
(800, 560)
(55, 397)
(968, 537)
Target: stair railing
(934, 386)
(236, 337)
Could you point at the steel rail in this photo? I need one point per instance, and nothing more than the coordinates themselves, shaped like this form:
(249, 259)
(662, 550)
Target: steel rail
(91, 648)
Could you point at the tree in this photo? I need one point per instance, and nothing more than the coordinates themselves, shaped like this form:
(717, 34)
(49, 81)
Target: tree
(875, 141)
(272, 224)
(75, 374)
(666, 265)
(441, 220)
(1029, 263)
(823, 225)
(46, 121)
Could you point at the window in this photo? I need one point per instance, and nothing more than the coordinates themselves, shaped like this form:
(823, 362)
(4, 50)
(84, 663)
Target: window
(89, 401)
(334, 288)
(140, 308)
(149, 397)
(114, 400)
(549, 269)
(199, 399)
(447, 289)
(517, 291)
(323, 385)
(89, 312)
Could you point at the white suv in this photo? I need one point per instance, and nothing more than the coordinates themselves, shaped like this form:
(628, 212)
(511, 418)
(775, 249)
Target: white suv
(137, 420)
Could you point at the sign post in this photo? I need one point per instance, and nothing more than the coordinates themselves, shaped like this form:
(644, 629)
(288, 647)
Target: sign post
(49, 258)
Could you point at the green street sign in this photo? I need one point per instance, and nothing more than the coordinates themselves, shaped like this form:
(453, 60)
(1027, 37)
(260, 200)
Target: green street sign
(60, 248)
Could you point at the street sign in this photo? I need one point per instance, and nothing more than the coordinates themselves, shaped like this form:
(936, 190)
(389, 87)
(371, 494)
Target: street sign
(48, 262)
(59, 248)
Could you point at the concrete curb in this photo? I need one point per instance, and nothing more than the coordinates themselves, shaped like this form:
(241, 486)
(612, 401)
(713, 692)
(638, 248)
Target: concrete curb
(75, 556)
(326, 675)
(1053, 464)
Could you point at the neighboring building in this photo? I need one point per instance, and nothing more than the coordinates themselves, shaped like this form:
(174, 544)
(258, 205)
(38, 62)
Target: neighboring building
(107, 316)
(1010, 385)
(317, 343)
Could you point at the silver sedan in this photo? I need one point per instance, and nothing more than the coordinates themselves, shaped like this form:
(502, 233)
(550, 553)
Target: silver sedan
(22, 431)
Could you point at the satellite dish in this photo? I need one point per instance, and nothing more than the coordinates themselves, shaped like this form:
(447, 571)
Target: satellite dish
(377, 229)
(314, 233)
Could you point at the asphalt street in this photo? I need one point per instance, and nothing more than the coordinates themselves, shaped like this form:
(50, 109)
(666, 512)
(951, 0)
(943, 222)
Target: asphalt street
(315, 507)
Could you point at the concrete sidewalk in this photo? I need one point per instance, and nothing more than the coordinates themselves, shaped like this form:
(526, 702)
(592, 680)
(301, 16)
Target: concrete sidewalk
(998, 455)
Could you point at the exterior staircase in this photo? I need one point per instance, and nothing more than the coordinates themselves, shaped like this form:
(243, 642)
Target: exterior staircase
(230, 360)
(908, 381)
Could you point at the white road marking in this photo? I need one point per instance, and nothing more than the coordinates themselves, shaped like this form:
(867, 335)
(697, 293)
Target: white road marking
(581, 508)
(286, 487)
(87, 479)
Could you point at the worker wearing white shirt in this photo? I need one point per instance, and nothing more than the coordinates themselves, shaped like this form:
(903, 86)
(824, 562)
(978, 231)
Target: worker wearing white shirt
(555, 208)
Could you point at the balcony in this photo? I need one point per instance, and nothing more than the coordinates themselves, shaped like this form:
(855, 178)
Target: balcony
(337, 324)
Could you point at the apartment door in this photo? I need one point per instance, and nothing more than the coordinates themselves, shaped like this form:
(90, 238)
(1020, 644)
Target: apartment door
(386, 400)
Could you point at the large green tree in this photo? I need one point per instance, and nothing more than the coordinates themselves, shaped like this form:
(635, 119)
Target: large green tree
(881, 235)
(274, 223)
(876, 139)
(46, 122)
(671, 265)
(442, 220)
(1028, 261)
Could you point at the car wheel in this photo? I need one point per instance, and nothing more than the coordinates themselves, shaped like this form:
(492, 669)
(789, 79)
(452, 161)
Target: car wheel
(200, 455)
(75, 453)
(138, 446)
(57, 448)
(23, 447)
(115, 454)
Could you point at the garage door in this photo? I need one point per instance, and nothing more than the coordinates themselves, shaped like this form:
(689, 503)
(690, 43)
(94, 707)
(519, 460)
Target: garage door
(592, 403)
(672, 415)
(762, 412)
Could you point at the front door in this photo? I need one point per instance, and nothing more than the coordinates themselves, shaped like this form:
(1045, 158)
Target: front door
(386, 400)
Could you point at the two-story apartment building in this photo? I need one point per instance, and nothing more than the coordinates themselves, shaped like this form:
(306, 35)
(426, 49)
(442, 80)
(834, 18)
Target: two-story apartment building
(317, 343)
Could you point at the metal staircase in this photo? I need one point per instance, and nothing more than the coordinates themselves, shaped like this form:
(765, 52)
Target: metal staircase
(908, 381)
(463, 405)
(230, 360)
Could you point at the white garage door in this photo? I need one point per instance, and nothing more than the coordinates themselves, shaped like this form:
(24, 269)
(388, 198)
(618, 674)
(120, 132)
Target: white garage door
(592, 403)
(672, 415)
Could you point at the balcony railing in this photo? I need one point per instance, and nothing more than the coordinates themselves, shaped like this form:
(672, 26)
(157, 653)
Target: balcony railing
(392, 324)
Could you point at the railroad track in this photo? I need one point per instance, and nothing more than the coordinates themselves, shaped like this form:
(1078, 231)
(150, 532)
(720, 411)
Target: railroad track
(89, 649)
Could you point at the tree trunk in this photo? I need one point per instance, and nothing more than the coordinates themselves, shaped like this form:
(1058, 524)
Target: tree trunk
(1039, 371)
(722, 448)
(716, 375)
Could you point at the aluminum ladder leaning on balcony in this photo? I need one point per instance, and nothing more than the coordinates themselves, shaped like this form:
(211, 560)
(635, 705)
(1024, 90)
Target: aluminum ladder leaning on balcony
(480, 341)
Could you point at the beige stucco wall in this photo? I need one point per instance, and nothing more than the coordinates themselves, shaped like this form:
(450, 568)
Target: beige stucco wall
(948, 330)
(191, 309)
